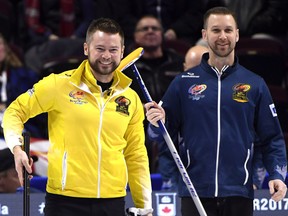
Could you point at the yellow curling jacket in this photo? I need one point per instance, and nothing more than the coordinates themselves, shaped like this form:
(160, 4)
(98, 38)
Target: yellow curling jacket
(96, 139)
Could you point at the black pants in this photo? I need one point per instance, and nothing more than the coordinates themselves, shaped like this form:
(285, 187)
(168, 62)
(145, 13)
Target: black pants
(56, 205)
(227, 206)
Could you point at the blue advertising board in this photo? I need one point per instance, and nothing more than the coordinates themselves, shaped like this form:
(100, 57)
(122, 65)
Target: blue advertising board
(164, 204)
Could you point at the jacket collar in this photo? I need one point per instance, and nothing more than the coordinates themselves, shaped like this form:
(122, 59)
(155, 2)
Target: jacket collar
(121, 81)
(226, 70)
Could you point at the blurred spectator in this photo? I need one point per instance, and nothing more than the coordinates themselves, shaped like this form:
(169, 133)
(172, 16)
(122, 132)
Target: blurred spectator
(9, 181)
(52, 44)
(55, 29)
(121, 10)
(193, 56)
(7, 19)
(259, 170)
(260, 16)
(16, 79)
(158, 66)
(54, 19)
(180, 19)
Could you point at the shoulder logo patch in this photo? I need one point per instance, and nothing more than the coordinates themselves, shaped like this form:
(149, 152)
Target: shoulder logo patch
(273, 110)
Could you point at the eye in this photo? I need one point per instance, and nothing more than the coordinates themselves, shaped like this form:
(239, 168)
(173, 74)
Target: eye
(99, 49)
(113, 50)
(228, 30)
(215, 30)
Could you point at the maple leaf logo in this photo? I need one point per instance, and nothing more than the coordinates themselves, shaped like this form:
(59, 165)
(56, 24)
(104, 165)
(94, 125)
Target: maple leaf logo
(166, 210)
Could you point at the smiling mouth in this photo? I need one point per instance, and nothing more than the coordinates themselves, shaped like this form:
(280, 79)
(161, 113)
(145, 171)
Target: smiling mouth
(223, 44)
(106, 63)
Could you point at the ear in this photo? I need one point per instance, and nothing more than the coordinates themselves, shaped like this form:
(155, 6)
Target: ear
(85, 46)
(237, 35)
(204, 34)
(184, 66)
(122, 52)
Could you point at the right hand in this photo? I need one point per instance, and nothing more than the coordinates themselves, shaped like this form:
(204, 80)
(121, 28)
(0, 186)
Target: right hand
(154, 113)
(21, 159)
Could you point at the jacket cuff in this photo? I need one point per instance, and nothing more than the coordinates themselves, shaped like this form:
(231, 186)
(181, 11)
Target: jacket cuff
(13, 140)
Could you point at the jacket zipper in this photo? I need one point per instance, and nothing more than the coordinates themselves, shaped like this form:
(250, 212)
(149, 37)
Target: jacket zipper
(245, 167)
(64, 170)
(102, 108)
(218, 73)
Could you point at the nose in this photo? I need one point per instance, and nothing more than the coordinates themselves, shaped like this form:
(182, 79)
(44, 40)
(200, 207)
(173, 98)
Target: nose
(106, 54)
(222, 35)
(150, 28)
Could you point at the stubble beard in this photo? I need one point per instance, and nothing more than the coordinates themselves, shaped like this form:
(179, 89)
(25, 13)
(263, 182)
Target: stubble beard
(101, 70)
(218, 52)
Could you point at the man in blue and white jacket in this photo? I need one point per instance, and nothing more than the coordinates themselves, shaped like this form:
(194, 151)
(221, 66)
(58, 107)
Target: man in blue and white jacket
(219, 108)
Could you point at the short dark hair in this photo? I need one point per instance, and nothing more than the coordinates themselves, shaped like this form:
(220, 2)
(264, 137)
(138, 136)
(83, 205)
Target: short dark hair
(219, 11)
(148, 16)
(106, 25)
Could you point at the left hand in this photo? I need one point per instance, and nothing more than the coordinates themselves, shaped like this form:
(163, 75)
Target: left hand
(277, 189)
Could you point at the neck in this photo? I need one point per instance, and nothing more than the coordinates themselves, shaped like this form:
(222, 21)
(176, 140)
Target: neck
(105, 85)
(220, 62)
(153, 53)
(104, 78)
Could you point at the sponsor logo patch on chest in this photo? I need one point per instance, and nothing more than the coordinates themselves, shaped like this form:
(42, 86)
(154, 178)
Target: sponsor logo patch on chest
(240, 91)
(122, 105)
(77, 97)
(196, 91)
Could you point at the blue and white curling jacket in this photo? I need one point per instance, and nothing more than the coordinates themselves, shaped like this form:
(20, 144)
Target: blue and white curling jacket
(218, 115)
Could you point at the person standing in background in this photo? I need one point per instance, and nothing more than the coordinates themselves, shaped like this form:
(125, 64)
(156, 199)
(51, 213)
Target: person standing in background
(15, 80)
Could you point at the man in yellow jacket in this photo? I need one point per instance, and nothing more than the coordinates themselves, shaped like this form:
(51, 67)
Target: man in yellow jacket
(95, 123)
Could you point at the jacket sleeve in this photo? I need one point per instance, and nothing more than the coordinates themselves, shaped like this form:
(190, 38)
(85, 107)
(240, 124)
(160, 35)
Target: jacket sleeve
(27, 105)
(272, 141)
(137, 159)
